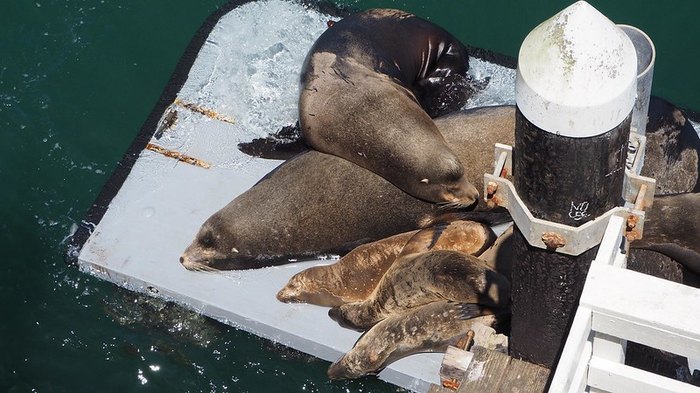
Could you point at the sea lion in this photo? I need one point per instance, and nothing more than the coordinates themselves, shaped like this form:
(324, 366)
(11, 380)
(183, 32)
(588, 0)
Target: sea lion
(428, 328)
(365, 87)
(317, 203)
(464, 236)
(351, 279)
(499, 256)
(417, 279)
(672, 149)
(672, 228)
(354, 276)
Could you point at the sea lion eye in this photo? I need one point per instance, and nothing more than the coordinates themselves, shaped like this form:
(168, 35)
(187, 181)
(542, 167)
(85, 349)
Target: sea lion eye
(207, 239)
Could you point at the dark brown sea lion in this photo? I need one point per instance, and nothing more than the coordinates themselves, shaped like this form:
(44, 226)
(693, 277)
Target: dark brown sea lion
(672, 228)
(317, 203)
(417, 279)
(673, 149)
(365, 87)
(354, 276)
(428, 328)
(673, 159)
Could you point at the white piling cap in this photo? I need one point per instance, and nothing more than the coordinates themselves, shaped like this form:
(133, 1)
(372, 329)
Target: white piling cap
(577, 73)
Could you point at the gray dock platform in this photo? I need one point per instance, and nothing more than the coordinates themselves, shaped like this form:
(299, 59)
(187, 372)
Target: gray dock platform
(247, 73)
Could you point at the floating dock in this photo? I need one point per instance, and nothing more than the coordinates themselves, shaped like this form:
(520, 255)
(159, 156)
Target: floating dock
(238, 81)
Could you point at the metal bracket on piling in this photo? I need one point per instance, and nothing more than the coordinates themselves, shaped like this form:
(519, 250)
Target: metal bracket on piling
(638, 192)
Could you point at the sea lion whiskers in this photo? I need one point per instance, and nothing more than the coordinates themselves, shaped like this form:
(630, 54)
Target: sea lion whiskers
(453, 205)
(198, 267)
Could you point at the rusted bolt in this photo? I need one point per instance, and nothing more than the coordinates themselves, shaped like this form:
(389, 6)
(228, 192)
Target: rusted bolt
(491, 188)
(553, 240)
(631, 231)
(633, 235)
(465, 342)
(493, 202)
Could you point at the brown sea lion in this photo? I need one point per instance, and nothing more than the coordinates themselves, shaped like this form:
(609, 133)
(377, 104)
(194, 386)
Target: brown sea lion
(499, 256)
(428, 328)
(465, 236)
(354, 276)
(317, 203)
(351, 279)
(673, 149)
(365, 87)
(417, 279)
(672, 228)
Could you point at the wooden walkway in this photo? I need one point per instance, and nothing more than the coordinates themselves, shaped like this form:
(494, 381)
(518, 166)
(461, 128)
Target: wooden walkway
(492, 371)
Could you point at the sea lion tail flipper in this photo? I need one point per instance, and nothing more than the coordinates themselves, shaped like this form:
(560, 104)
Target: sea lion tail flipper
(501, 321)
(282, 145)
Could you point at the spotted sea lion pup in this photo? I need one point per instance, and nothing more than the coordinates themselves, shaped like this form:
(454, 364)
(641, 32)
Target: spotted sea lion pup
(428, 328)
(351, 279)
(417, 279)
(366, 84)
(354, 276)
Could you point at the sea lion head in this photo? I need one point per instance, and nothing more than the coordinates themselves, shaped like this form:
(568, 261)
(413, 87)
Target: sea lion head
(215, 248)
(448, 184)
(303, 287)
(359, 361)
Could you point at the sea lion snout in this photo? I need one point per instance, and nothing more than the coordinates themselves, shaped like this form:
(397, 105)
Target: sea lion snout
(463, 194)
(187, 262)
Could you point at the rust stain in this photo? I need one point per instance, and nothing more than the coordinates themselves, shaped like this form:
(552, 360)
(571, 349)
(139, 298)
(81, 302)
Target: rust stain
(553, 240)
(491, 189)
(631, 233)
(494, 201)
(178, 156)
(204, 111)
(452, 384)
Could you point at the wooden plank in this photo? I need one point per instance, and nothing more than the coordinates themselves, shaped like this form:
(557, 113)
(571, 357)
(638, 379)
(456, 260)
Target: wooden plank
(455, 363)
(485, 371)
(575, 346)
(615, 377)
(610, 244)
(439, 389)
(524, 377)
(609, 347)
(579, 380)
(492, 371)
(658, 316)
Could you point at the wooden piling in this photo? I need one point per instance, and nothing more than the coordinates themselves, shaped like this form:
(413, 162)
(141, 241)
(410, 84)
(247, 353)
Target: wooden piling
(575, 91)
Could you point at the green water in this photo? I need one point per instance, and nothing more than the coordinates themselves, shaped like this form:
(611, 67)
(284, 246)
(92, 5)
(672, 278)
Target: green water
(77, 79)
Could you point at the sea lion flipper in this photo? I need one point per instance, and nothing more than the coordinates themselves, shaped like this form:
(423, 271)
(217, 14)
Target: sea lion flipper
(336, 313)
(282, 145)
(468, 310)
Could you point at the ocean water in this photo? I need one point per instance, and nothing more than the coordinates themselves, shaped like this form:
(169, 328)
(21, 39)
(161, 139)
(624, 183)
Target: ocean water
(77, 80)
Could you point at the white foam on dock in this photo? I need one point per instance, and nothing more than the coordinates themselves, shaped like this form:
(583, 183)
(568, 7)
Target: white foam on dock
(248, 71)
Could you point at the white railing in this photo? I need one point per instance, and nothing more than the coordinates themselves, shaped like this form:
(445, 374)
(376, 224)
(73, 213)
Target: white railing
(619, 305)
